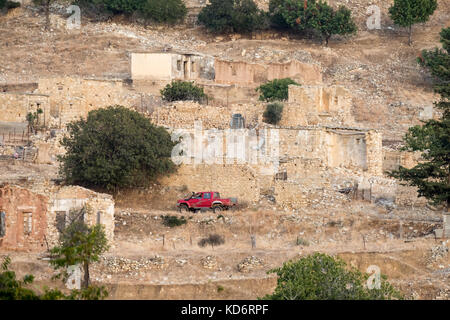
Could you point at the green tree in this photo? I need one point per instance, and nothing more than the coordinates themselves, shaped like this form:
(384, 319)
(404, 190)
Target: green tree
(222, 16)
(317, 17)
(322, 277)
(275, 90)
(169, 11)
(9, 4)
(405, 13)
(183, 91)
(13, 289)
(79, 244)
(432, 175)
(114, 148)
(273, 113)
(276, 18)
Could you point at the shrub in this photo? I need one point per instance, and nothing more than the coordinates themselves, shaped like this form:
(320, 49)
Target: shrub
(169, 11)
(318, 17)
(232, 16)
(9, 4)
(273, 113)
(120, 6)
(173, 221)
(275, 90)
(182, 91)
(213, 240)
(302, 242)
(322, 277)
(276, 17)
(115, 148)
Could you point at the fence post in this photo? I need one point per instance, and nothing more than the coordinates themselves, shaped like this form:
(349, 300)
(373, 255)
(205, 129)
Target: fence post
(253, 240)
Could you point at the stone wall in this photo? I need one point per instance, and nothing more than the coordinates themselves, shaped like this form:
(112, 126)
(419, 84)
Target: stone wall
(14, 107)
(72, 98)
(245, 73)
(184, 114)
(239, 181)
(318, 104)
(393, 159)
(66, 99)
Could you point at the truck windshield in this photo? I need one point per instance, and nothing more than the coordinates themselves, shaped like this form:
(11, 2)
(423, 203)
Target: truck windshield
(216, 195)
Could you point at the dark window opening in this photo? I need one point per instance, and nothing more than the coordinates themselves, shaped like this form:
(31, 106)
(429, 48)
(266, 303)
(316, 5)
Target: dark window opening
(60, 220)
(281, 176)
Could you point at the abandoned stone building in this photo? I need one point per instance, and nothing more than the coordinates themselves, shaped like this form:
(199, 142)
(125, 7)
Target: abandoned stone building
(30, 220)
(163, 66)
(64, 99)
(244, 73)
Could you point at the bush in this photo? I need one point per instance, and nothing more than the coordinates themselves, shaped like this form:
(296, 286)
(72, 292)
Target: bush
(322, 277)
(276, 17)
(223, 16)
(273, 113)
(275, 90)
(213, 240)
(173, 221)
(119, 6)
(318, 17)
(9, 4)
(302, 242)
(182, 91)
(169, 11)
(114, 148)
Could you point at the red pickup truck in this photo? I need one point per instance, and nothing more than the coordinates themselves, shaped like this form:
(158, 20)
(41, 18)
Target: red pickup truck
(207, 199)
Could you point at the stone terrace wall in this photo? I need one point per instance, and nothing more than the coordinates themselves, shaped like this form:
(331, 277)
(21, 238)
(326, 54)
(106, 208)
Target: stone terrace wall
(239, 181)
(184, 114)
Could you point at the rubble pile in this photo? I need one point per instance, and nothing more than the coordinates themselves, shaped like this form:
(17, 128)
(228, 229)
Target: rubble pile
(121, 264)
(209, 262)
(439, 252)
(249, 263)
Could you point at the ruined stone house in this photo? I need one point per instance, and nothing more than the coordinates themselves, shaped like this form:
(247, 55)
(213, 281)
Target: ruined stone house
(247, 73)
(30, 220)
(167, 66)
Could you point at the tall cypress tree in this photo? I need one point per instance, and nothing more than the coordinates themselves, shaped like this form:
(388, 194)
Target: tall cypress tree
(432, 175)
(405, 13)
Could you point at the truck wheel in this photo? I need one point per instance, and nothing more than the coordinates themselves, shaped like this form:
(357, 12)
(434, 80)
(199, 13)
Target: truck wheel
(184, 208)
(217, 209)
